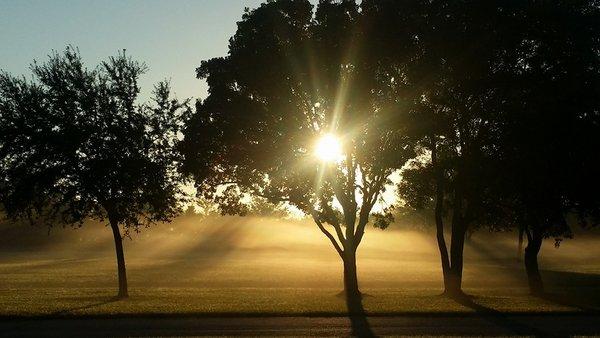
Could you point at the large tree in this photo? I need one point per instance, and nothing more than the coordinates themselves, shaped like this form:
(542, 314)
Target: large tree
(550, 122)
(506, 106)
(443, 53)
(297, 84)
(75, 144)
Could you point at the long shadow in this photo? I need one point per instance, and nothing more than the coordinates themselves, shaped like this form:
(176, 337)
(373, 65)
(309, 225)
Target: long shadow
(499, 318)
(358, 317)
(85, 307)
(208, 250)
(514, 269)
(573, 289)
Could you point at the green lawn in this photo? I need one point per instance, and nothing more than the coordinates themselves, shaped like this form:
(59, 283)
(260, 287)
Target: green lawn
(256, 301)
(243, 268)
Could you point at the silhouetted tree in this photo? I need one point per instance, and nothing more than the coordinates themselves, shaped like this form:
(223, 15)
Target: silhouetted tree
(550, 122)
(75, 144)
(443, 54)
(506, 102)
(289, 79)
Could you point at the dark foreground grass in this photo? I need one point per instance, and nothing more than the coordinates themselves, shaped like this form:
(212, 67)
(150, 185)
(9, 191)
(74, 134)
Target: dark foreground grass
(255, 301)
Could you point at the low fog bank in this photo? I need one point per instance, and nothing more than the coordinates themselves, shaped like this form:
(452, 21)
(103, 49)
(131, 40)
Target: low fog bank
(268, 252)
(191, 236)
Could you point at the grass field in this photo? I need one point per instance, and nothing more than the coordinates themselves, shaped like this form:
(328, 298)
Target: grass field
(260, 266)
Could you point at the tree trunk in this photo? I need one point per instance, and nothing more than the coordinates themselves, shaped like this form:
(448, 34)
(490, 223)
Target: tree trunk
(350, 276)
(120, 259)
(443, 255)
(534, 244)
(454, 279)
(520, 246)
(439, 213)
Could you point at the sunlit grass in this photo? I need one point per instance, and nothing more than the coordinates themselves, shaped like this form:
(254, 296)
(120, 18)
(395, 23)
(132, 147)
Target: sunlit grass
(260, 267)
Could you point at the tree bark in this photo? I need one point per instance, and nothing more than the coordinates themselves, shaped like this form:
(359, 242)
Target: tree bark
(454, 279)
(350, 275)
(121, 271)
(443, 253)
(439, 213)
(534, 244)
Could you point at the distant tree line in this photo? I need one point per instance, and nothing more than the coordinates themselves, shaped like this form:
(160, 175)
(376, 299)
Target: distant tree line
(490, 111)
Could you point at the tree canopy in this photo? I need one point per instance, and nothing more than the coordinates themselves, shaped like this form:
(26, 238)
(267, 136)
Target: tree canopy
(291, 78)
(506, 113)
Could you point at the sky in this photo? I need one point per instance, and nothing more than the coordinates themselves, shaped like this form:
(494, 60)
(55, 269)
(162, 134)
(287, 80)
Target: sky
(172, 37)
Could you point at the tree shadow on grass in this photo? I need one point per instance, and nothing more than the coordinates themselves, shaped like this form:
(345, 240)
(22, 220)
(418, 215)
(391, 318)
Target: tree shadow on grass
(573, 289)
(209, 249)
(358, 317)
(87, 306)
(498, 318)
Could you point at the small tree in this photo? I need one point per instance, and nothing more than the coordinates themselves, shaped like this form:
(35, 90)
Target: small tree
(294, 87)
(75, 144)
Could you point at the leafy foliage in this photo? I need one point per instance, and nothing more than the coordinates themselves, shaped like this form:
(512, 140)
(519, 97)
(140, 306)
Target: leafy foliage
(74, 143)
(289, 79)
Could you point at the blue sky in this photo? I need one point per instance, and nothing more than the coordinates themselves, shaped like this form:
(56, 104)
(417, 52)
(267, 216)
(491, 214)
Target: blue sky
(171, 36)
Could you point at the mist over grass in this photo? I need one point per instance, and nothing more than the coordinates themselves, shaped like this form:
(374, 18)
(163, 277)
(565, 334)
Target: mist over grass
(261, 264)
(270, 252)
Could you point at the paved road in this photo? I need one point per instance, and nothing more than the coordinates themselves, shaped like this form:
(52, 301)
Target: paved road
(537, 325)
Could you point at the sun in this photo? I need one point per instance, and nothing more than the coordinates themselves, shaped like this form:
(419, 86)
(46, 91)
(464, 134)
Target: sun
(329, 148)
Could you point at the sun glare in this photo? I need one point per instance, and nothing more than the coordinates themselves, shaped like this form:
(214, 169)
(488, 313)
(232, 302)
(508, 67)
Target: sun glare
(329, 148)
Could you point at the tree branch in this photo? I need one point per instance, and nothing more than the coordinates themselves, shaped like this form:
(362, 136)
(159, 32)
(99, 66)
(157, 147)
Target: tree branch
(331, 218)
(369, 200)
(337, 247)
